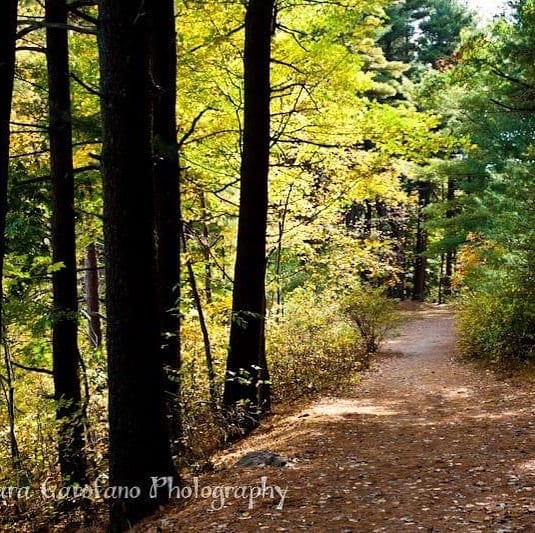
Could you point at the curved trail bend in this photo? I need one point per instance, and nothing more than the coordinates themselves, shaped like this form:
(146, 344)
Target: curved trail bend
(425, 443)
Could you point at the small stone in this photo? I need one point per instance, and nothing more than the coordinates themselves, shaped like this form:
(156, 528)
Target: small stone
(262, 458)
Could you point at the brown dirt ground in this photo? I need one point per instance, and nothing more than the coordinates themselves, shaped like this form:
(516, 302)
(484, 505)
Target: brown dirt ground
(424, 443)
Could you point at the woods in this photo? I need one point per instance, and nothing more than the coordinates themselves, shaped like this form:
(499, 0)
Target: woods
(65, 354)
(246, 359)
(211, 209)
(139, 440)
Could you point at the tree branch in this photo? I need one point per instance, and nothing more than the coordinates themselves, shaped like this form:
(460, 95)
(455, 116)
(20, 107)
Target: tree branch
(87, 87)
(33, 369)
(39, 25)
(512, 108)
(191, 129)
(512, 79)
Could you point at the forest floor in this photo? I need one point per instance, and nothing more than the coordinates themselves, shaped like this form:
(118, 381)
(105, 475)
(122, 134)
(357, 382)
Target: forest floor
(425, 442)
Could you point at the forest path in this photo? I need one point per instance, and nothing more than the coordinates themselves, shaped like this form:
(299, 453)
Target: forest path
(425, 443)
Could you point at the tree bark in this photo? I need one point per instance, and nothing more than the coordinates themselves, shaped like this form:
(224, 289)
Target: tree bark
(8, 28)
(139, 444)
(65, 354)
(167, 205)
(206, 250)
(212, 390)
(8, 385)
(246, 334)
(420, 263)
(450, 254)
(92, 296)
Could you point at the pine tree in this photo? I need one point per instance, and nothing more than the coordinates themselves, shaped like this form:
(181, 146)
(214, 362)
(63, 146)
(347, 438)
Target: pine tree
(441, 30)
(167, 204)
(246, 349)
(424, 31)
(8, 28)
(139, 445)
(65, 353)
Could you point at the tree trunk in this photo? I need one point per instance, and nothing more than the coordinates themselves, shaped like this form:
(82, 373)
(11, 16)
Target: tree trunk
(206, 250)
(263, 377)
(8, 385)
(92, 296)
(283, 213)
(8, 28)
(167, 205)
(212, 390)
(398, 233)
(420, 264)
(246, 334)
(450, 255)
(65, 354)
(368, 217)
(139, 444)
(450, 265)
(441, 280)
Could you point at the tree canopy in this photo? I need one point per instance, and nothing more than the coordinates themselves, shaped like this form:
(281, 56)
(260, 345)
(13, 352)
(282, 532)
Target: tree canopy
(210, 207)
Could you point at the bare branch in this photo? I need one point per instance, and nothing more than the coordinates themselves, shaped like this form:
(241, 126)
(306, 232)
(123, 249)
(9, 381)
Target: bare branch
(84, 16)
(33, 369)
(510, 78)
(33, 26)
(218, 38)
(38, 49)
(285, 64)
(191, 129)
(77, 4)
(512, 108)
(87, 87)
(42, 179)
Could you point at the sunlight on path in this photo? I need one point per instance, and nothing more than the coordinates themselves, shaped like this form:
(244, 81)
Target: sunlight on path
(425, 443)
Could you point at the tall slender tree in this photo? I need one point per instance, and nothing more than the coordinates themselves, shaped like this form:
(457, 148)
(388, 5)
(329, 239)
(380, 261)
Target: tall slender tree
(440, 32)
(403, 18)
(139, 444)
(8, 28)
(420, 260)
(246, 349)
(66, 357)
(451, 252)
(167, 203)
(422, 32)
(92, 295)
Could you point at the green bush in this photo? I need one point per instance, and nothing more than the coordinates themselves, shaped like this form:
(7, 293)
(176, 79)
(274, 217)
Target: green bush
(372, 313)
(312, 348)
(498, 326)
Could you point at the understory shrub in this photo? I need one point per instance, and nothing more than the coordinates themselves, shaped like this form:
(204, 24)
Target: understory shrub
(372, 313)
(498, 326)
(312, 347)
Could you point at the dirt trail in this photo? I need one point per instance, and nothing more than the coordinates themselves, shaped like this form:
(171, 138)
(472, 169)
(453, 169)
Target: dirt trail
(425, 443)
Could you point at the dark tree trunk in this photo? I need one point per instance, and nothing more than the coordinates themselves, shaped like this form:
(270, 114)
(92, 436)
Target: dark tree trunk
(420, 263)
(139, 444)
(206, 251)
(92, 296)
(167, 204)
(450, 255)
(212, 389)
(8, 28)
(278, 261)
(9, 391)
(66, 357)
(263, 377)
(441, 279)
(448, 275)
(398, 233)
(246, 334)
(368, 214)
